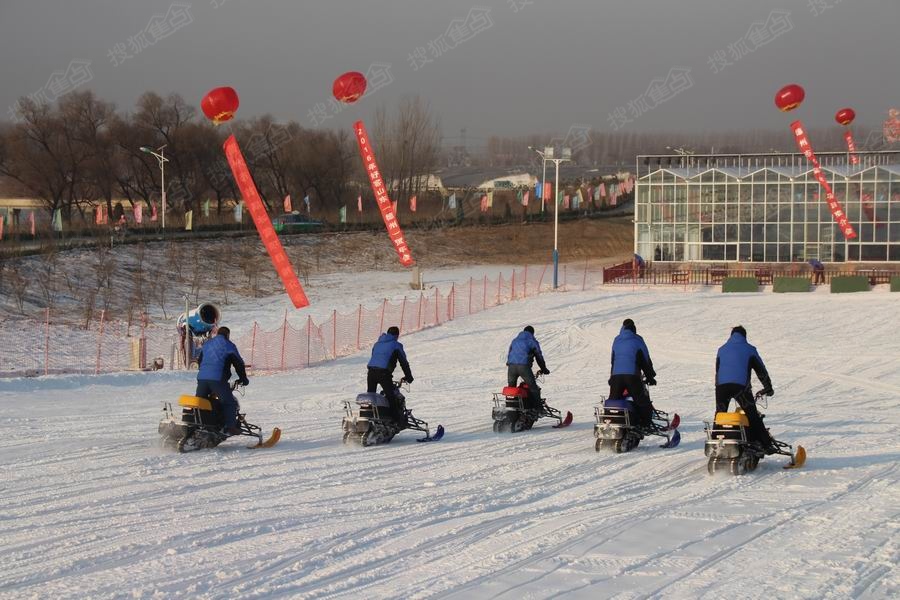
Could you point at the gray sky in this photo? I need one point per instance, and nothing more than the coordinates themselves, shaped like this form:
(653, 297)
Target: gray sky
(525, 66)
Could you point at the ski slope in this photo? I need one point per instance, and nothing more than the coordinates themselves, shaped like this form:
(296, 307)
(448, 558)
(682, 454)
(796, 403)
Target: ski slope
(90, 507)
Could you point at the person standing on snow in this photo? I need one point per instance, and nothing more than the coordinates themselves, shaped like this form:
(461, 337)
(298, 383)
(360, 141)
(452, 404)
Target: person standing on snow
(523, 350)
(631, 357)
(217, 356)
(734, 361)
(386, 353)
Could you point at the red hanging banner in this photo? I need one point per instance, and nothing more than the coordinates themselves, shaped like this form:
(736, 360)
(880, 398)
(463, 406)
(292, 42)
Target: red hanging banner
(837, 211)
(267, 234)
(851, 147)
(381, 196)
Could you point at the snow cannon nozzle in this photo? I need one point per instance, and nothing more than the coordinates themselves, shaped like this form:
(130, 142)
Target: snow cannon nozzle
(202, 319)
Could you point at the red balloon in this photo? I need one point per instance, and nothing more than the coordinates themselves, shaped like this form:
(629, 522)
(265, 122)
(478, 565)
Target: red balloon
(845, 116)
(349, 87)
(789, 97)
(220, 104)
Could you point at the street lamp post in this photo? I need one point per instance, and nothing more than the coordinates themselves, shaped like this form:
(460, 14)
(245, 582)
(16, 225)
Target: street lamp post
(547, 155)
(161, 157)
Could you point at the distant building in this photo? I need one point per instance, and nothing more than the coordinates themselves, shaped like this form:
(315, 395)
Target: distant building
(766, 208)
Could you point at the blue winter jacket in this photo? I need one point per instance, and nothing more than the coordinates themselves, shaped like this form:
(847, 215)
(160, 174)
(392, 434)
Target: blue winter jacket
(217, 356)
(386, 353)
(524, 349)
(630, 355)
(735, 359)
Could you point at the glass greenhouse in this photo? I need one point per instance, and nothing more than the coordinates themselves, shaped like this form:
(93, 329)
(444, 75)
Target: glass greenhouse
(766, 208)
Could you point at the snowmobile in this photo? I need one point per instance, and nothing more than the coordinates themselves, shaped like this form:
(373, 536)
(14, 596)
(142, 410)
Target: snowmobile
(373, 422)
(201, 425)
(617, 425)
(511, 411)
(729, 450)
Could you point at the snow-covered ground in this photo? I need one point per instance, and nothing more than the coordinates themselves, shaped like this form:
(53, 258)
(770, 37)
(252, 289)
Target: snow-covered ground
(90, 507)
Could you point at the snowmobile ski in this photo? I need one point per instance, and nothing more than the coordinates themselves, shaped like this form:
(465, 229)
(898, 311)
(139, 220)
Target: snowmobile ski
(798, 459)
(564, 422)
(438, 434)
(273, 439)
(676, 421)
(674, 440)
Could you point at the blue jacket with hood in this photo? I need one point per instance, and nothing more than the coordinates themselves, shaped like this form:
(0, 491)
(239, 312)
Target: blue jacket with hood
(217, 356)
(630, 355)
(386, 353)
(525, 349)
(735, 359)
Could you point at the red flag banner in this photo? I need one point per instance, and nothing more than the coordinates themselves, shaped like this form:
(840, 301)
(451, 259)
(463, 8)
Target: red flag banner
(412, 204)
(548, 193)
(851, 147)
(263, 224)
(359, 203)
(484, 203)
(31, 222)
(381, 196)
(287, 204)
(837, 211)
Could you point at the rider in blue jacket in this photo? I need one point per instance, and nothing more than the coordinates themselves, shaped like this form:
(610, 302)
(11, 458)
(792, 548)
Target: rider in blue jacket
(523, 350)
(386, 353)
(734, 361)
(631, 357)
(217, 356)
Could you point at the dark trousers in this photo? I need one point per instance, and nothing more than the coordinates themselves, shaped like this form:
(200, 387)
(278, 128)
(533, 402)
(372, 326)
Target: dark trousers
(818, 277)
(513, 372)
(222, 391)
(617, 386)
(744, 398)
(385, 379)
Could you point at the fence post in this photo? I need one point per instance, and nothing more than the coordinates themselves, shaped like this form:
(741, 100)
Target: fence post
(402, 312)
(284, 327)
(471, 283)
(584, 279)
(451, 306)
(437, 304)
(499, 283)
(358, 327)
(512, 287)
(47, 344)
(421, 302)
(383, 307)
(100, 341)
(334, 334)
(309, 324)
(565, 277)
(525, 283)
(484, 292)
(253, 342)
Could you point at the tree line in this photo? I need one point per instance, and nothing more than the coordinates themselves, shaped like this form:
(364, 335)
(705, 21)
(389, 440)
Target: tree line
(81, 152)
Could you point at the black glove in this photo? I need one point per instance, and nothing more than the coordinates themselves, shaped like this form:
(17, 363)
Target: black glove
(651, 381)
(244, 381)
(408, 379)
(545, 371)
(769, 391)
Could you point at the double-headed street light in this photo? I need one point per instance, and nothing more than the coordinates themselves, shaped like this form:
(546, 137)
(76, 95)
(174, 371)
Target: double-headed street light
(160, 155)
(547, 154)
